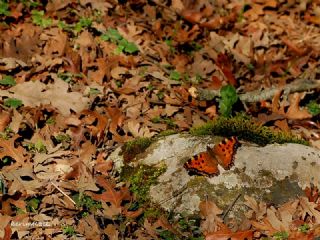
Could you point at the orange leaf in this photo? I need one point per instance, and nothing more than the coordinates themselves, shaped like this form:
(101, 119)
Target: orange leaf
(9, 150)
(224, 63)
(111, 195)
(226, 235)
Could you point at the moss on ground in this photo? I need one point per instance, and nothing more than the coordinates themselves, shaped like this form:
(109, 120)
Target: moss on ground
(245, 128)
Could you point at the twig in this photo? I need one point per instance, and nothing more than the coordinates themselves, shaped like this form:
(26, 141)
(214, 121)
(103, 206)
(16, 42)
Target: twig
(63, 193)
(231, 206)
(299, 85)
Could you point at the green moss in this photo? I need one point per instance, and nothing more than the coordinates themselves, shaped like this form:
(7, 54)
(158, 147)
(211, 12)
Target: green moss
(141, 179)
(166, 133)
(245, 128)
(132, 148)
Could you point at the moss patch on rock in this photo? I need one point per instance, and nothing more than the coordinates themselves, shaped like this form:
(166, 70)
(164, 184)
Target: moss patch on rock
(132, 148)
(141, 179)
(245, 128)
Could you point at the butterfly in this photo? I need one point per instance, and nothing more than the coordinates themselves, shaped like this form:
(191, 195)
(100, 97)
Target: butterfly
(206, 163)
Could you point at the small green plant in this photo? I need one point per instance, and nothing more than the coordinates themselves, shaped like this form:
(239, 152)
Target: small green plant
(62, 138)
(13, 102)
(69, 77)
(50, 121)
(83, 23)
(281, 235)
(170, 45)
(33, 204)
(4, 8)
(304, 228)
(38, 18)
(69, 230)
(6, 134)
(175, 75)
(94, 91)
(7, 81)
(86, 202)
(313, 108)
(36, 147)
(123, 45)
(228, 98)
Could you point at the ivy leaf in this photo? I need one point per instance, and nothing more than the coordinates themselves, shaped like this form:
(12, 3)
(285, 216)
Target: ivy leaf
(228, 98)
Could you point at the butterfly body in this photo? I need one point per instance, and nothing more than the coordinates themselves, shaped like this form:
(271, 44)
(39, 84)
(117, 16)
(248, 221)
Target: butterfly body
(206, 163)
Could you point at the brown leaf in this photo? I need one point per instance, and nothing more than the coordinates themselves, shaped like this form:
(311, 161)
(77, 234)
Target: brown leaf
(294, 111)
(5, 119)
(209, 211)
(224, 63)
(240, 235)
(34, 94)
(111, 195)
(9, 150)
(112, 232)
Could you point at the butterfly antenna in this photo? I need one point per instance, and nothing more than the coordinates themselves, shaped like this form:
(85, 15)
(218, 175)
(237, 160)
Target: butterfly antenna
(231, 206)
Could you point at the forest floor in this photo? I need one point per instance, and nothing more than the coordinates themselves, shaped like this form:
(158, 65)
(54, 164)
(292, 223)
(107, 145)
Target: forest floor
(80, 78)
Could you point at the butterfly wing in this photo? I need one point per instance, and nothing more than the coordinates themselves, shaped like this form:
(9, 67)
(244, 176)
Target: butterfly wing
(225, 151)
(202, 164)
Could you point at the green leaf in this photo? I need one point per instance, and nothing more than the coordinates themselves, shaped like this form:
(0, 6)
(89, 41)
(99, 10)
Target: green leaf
(131, 48)
(33, 204)
(8, 81)
(228, 98)
(175, 75)
(83, 23)
(4, 8)
(281, 235)
(38, 18)
(111, 35)
(313, 108)
(13, 102)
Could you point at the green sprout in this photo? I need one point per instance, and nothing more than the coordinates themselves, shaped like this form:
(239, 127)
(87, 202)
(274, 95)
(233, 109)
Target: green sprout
(7, 81)
(39, 18)
(313, 108)
(228, 98)
(13, 102)
(123, 45)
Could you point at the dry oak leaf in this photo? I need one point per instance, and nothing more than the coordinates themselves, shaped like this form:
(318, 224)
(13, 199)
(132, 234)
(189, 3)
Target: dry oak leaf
(111, 195)
(9, 150)
(209, 211)
(33, 94)
(227, 234)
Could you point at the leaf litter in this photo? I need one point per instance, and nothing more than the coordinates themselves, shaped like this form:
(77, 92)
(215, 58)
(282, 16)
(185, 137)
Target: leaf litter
(79, 79)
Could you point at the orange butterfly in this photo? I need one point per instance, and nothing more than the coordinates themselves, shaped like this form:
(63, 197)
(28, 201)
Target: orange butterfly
(206, 163)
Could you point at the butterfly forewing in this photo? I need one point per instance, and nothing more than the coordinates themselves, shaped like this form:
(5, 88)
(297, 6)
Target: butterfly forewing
(225, 151)
(202, 164)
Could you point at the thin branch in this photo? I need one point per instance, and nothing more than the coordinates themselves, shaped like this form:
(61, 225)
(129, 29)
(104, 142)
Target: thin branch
(299, 85)
(63, 193)
(231, 206)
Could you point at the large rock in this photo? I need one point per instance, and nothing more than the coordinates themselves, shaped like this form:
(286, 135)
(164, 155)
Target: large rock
(273, 173)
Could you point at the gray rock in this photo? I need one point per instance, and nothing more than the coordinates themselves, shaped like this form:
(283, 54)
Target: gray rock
(274, 173)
